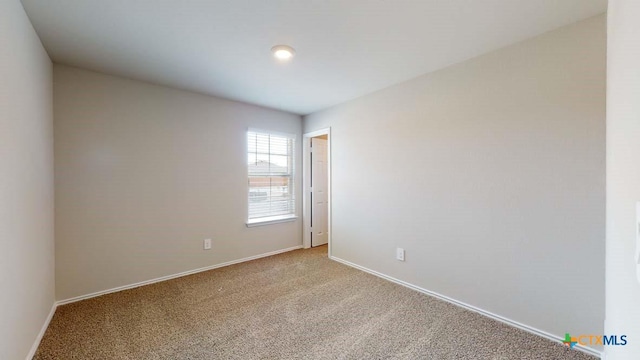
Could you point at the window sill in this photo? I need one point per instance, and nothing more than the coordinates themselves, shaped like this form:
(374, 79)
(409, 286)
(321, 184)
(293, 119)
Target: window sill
(271, 220)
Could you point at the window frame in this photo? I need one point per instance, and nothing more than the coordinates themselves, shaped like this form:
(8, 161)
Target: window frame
(275, 219)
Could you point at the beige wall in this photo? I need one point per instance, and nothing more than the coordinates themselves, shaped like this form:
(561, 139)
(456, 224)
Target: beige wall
(490, 174)
(144, 173)
(623, 177)
(26, 183)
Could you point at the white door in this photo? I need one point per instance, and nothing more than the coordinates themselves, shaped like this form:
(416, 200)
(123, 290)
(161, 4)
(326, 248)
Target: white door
(319, 198)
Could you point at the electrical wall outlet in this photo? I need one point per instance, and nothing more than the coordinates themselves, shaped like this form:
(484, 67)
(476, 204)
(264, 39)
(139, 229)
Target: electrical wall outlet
(400, 254)
(207, 244)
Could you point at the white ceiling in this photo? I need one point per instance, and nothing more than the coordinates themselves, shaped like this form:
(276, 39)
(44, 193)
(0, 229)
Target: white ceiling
(344, 48)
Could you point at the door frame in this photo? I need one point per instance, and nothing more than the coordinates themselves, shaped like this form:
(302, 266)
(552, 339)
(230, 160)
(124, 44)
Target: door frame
(306, 193)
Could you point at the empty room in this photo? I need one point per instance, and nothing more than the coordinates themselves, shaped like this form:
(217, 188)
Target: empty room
(319, 179)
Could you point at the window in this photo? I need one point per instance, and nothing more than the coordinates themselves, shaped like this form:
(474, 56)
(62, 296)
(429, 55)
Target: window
(270, 169)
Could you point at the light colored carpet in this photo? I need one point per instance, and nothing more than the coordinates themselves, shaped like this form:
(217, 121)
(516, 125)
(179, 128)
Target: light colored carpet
(297, 305)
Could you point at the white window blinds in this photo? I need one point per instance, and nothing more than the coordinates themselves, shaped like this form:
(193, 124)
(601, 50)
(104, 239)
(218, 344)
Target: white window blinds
(270, 164)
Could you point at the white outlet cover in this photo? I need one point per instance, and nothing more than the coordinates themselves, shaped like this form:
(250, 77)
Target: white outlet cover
(400, 254)
(207, 244)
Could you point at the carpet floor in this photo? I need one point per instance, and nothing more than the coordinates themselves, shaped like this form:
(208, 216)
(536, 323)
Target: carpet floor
(296, 305)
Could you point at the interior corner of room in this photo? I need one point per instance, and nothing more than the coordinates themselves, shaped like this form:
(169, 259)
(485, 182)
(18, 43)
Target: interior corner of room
(503, 181)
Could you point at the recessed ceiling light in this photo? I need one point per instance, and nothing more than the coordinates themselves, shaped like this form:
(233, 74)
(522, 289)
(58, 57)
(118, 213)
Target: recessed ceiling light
(283, 52)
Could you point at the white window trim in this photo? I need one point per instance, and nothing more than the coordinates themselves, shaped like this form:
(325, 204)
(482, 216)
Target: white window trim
(279, 133)
(271, 220)
(268, 220)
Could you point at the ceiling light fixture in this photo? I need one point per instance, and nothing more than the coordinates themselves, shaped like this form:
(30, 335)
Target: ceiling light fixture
(283, 52)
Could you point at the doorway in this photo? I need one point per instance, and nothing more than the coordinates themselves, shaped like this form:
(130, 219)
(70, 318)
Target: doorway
(317, 188)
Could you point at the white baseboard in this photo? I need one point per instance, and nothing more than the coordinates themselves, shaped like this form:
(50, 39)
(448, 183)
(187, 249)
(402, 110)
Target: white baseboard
(502, 319)
(36, 343)
(55, 305)
(169, 277)
(507, 321)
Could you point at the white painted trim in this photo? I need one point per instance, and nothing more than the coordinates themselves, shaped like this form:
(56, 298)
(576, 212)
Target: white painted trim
(320, 132)
(169, 277)
(491, 315)
(271, 220)
(306, 171)
(36, 343)
(306, 238)
(55, 305)
(279, 133)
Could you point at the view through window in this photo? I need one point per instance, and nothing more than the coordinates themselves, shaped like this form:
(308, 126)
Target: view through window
(270, 165)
